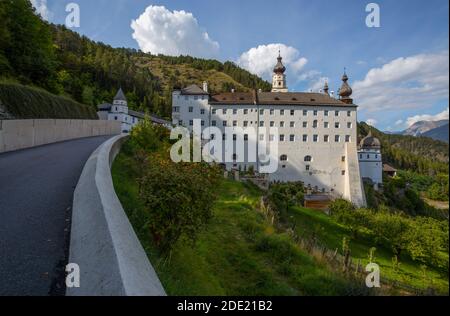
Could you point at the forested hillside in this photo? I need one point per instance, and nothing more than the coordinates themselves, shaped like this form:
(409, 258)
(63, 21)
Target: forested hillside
(34, 52)
(420, 154)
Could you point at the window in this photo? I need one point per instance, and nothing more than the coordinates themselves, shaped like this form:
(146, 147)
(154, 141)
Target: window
(305, 138)
(180, 122)
(307, 159)
(202, 111)
(326, 112)
(261, 123)
(213, 123)
(343, 158)
(336, 113)
(315, 138)
(281, 112)
(315, 113)
(224, 136)
(337, 125)
(305, 124)
(261, 112)
(368, 156)
(315, 124)
(115, 117)
(282, 138)
(326, 138)
(234, 111)
(281, 124)
(305, 113)
(245, 123)
(234, 157)
(292, 124)
(191, 109)
(271, 112)
(326, 124)
(212, 136)
(292, 138)
(272, 123)
(347, 138)
(191, 122)
(224, 111)
(349, 113)
(308, 167)
(176, 109)
(343, 172)
(292, 112)
(360, 156)
(214, 111)
(337, 138)
(224, 123)
(203, 123)
(234, 136)
(246, 137)
(234, 123)
(283, 158)
(271, 137)
(261, 137)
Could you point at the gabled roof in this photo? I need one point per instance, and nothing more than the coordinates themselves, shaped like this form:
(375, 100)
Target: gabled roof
(388, 168)
(120, 96)
(193, 90)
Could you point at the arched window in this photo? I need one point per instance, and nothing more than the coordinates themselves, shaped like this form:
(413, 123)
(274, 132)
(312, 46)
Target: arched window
(283, 158)
(308, 158)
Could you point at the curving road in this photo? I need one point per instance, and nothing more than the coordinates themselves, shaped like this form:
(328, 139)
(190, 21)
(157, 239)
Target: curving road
(36, 191)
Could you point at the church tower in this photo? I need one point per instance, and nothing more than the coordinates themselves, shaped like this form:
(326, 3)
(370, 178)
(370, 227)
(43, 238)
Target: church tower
(279, 78)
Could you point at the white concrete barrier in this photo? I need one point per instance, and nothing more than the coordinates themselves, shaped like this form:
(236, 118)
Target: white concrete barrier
(19, 134)
(103, 243)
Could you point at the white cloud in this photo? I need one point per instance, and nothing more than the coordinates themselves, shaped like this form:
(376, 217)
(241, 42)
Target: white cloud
(42, 9)
(405, 83)
(160, 31)
(371, 122)
(427, 117)
(262, 59)
(318, 84)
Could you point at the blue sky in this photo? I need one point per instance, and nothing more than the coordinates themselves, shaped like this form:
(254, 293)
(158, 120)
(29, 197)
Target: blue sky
(399, 71)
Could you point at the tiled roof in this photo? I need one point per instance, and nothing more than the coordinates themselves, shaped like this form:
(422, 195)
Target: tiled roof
(388, 168)
(120, 96)
(193, 90)
(276, 98)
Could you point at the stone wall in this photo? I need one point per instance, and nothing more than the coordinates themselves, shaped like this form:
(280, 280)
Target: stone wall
(19, 134)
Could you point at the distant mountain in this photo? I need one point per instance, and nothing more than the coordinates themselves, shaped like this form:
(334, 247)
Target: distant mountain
(419, 128)
(439, 133)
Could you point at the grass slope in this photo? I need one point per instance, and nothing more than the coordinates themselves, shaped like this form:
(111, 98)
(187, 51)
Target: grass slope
(239, 253)
(330, 234)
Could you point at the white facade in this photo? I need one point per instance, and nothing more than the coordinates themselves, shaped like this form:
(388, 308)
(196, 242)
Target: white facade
(317, 134)
(370, 160)
(118, 111)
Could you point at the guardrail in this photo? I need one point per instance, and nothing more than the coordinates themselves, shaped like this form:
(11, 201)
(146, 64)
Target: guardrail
(20, 134)
(103, 243)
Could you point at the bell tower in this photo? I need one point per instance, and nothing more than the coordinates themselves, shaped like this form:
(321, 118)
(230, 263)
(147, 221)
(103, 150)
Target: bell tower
(279, 78)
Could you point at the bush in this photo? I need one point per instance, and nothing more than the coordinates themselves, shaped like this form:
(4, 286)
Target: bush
(178, 199)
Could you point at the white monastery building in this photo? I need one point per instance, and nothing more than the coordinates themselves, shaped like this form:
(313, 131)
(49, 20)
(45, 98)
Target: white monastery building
(317, 133)
(119, 111)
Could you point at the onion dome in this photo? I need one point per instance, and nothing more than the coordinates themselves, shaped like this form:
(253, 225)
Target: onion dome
(279, 68)
(120, 96)
(345, 91)
(370, 142)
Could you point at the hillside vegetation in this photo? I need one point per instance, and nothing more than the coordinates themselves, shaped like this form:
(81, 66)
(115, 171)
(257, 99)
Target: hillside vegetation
(66, 63)
(22, 102)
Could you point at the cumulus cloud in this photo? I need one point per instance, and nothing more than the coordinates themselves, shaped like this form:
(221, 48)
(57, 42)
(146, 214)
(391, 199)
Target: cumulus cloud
(427, 117)
(405, 83)
(261, 60)
(161, 31)
(318, 84)
(42, 9)
(371, 122)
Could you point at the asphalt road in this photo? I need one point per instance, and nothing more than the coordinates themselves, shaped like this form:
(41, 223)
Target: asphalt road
(36, 192)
